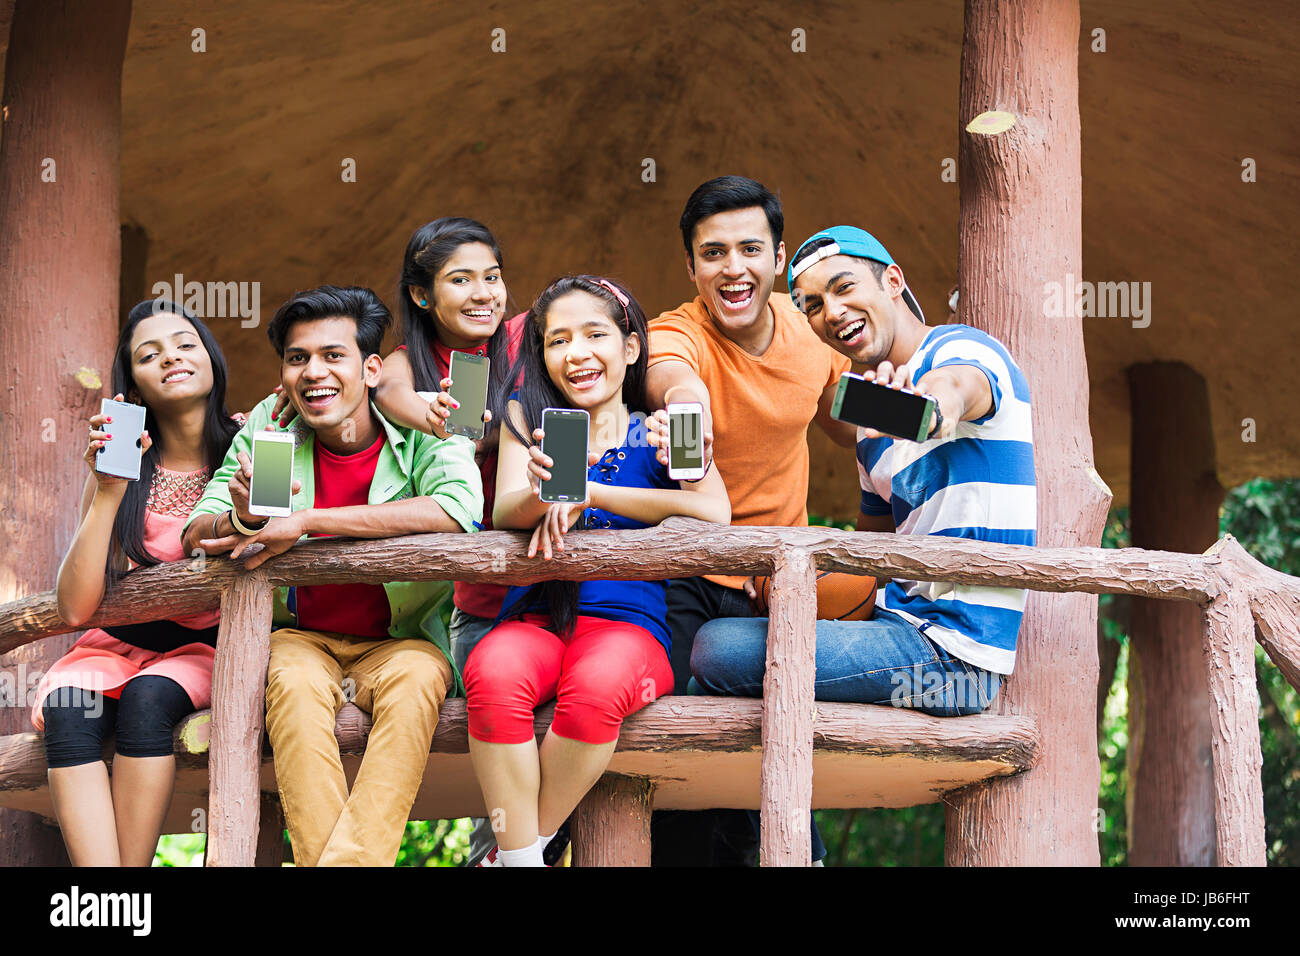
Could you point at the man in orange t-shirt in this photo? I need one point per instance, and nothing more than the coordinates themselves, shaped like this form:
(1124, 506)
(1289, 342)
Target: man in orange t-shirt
(749, 357)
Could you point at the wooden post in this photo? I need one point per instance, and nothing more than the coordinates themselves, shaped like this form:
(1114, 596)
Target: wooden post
(611, 826)
(1174, 505)
(1020, 228)
(58, 307)
(785, 784)
(1229, 646)
(238, 712)
(270, 832)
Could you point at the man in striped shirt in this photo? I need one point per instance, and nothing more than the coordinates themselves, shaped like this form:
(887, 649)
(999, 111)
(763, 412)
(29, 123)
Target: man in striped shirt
(940, 648)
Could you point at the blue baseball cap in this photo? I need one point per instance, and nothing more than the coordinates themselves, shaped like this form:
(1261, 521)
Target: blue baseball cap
(844, 241)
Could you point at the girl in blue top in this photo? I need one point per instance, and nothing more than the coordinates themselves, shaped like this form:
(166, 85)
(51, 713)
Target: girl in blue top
(600, 649)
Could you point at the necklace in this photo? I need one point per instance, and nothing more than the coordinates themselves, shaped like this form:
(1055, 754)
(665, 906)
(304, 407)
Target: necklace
(175, 493)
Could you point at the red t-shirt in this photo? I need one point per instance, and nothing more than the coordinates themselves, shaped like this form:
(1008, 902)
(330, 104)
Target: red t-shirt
(482, 599)
(358, 610)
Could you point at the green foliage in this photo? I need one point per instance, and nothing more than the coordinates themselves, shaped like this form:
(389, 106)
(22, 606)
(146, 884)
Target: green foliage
(181, 849)
(907, 836)
(435, 842)
(1265, 517)
(1112, 749)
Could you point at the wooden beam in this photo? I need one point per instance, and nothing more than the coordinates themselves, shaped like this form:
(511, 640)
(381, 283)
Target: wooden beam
(678, 547)
(1238, 791)
(669, 725)
(238, 710)
(786, 782)
(611, 826)
(1274, 603)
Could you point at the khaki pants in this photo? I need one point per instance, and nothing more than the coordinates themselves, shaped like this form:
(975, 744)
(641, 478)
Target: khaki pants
(402, 684)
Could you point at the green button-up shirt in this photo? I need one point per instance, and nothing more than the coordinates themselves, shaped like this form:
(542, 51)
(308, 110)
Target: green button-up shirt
(411, 464)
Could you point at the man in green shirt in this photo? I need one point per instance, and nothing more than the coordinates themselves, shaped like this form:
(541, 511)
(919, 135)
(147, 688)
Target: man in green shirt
(382, 646)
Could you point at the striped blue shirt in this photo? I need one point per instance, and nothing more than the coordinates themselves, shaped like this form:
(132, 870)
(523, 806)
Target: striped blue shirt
(979, 484)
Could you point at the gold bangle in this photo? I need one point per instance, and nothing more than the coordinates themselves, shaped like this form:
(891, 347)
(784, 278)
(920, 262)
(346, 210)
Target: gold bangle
(242, 528)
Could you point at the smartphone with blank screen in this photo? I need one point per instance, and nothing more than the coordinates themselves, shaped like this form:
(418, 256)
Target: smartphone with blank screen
(899, 412)
(565, 443)
(121, 454)
(686, 441)
(272, 492)
(469, 386)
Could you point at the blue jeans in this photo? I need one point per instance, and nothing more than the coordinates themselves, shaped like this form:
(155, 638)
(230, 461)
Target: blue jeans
(881, 661)
(466, 631)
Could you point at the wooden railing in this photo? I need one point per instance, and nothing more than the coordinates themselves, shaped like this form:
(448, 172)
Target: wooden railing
(1241, 600)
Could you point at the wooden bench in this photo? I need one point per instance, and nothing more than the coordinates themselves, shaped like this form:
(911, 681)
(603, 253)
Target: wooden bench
(680, 753)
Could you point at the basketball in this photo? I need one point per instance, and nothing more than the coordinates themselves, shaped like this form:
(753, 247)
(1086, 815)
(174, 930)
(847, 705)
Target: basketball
(840, 596)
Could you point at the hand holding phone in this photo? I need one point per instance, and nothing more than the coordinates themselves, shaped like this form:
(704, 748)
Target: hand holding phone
(564, 442)
(467, 379)
(271, 487)
(686, 460)
(897, 412)
(658, 435)
(117, 439)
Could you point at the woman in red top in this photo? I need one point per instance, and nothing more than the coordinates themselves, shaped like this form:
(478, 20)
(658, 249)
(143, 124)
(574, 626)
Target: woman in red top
(134, 681)
(452, 298)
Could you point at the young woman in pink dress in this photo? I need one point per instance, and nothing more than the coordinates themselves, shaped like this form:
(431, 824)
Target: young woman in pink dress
(134, 682)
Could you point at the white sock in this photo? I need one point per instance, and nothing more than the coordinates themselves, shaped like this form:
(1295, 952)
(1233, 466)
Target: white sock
(528, 856)
(543, 840)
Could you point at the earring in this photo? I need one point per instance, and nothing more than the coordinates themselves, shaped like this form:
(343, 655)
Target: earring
(423, 304)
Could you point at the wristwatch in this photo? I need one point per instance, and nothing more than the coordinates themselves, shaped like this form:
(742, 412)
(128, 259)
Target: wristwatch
(938, 421)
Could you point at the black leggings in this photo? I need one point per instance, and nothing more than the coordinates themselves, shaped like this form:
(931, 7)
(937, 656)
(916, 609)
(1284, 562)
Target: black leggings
(78, 721)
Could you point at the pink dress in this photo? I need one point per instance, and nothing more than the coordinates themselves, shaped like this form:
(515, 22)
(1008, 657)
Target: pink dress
(101, 662)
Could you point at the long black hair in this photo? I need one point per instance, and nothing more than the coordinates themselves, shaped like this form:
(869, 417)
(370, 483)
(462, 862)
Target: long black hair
(218, 427)
(427, 252)
(536, 392)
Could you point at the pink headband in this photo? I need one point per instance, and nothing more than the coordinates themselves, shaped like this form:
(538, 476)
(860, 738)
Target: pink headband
(622, 299)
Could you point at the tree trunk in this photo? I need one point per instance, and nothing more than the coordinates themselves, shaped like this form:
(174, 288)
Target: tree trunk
(1175, 503)
(1020, 228)
(58, 306)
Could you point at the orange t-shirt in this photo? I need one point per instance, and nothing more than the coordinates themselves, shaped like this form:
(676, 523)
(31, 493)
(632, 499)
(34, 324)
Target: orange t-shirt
(762, 406)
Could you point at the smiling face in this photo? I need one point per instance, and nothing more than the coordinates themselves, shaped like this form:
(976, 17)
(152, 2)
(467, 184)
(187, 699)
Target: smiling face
(850, 309)
(585, 352)
(324, 373)
(735, 266)
(468, 296)
(168, 361)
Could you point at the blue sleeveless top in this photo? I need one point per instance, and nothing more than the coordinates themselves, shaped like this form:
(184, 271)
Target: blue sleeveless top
(643, 603)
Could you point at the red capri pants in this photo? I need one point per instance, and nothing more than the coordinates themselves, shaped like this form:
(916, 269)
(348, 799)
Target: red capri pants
(603, 672)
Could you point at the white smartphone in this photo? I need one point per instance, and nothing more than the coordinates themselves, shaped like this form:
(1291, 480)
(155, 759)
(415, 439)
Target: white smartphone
(686, 441)
(272, 492)
(565, 443)
(121, 454)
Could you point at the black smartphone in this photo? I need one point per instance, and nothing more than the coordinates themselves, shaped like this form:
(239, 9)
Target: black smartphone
(899, 412)
(469, 386)
(565, 443)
